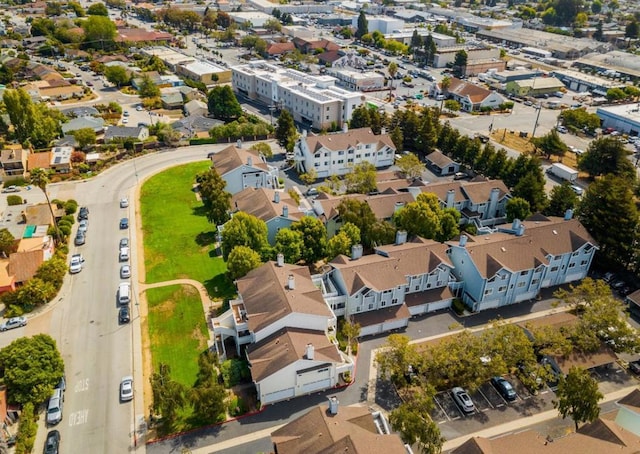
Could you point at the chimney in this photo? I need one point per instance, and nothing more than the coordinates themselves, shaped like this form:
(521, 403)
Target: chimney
(239, 144)
(383, 130)
(291, 282)
(333, 405)
(568, 215)
(401, 236)
(397, 206)
(309, 351)
(304, 133)
(276, 197)
(280, 259)
(520, 230)
(356, 251)
(463, 240)
(250, 161)
(285, 211)
(493, 202)
(516, 225)
(345, 127)
(451, 198)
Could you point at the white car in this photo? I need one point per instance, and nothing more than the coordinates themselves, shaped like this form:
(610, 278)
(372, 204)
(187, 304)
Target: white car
(125, 272)
(126, 388)
(15, 322)
(77, 262)
(124, 202)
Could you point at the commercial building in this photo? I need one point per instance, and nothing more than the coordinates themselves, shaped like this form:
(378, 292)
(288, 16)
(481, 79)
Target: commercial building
(382, 24)
(623, 63)
(358, 80)
(581, 82)
(254, 18)
(446, 55)
(205, 72)
(538, 86)
(624, 118)
(314, 101)
(404, 37)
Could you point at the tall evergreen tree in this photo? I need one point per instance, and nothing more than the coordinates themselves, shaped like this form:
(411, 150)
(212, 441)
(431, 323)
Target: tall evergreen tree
(286, 132)
(363, 25)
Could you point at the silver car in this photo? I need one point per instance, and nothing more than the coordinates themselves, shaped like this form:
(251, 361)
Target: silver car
(126, 388)
(15, 322)
(461, 397)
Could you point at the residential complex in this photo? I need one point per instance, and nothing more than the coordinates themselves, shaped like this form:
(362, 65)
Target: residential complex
(242, 168)
(315, 101)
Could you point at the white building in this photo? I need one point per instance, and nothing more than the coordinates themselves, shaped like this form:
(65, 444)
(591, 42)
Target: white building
(383, 24)
(404, 36)
(357, 80)
(255, 18)
(314, 101)
(241, 168)
(624, 118)
(336, 154)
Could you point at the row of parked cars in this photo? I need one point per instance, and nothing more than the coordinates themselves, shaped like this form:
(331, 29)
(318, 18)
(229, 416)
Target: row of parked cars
(463, 400)
(124, 288)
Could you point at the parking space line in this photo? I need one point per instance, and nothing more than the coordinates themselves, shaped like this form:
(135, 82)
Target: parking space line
(485, 398)
(443, 412)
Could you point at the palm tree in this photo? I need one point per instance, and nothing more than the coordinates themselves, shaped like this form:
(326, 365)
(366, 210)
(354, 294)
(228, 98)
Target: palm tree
(393, 70)
(40, 178)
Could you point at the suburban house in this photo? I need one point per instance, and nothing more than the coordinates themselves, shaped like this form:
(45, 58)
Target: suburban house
(195, 107)
(13, 160)
(31, 253)
(338, 429)
(336, 154)
(441, 164)
(139, 133)
(482, 203)
(382, 291)
(276, 208)
(7, 281)
(606, 434)
(288, 330)
(94, 123)
(275, 49)
(471, 97)
(383, 205)
(514, 263)
(61, 159)
(243, 168)
(195, 125)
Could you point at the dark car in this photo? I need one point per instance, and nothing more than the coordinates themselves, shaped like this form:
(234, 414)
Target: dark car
(81, 238)
(504, 388)
(52, 444)
(83, 213)
(123, 314)
(634, 367)
(124, 223)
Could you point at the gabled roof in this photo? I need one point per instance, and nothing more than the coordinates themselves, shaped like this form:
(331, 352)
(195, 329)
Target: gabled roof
(632, 400)
(267, 297)
(350, 139)
(39, 160)
(275, 48)
(231, 158)
(287, 346)
(122, 132)
(461, 88)
(382, 205)
(555, 236)
(351, 430)
(23, 265)
(439, 159)
(12, 154)
(260, 202)
(195, 123)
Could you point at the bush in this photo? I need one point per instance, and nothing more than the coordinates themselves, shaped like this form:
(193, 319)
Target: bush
(458, 306)
(236, 406)
(70, 207)
(234, 371)
(202, 141)
(68, 218)
(13, 200)
(27, 430)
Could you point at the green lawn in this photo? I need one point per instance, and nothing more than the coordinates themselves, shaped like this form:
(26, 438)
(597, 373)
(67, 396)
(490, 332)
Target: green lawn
(178, 238)
(177, 330)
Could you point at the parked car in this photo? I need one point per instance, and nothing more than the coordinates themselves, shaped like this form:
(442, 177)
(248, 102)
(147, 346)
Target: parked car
(124, 242)
(124, 223)
(80, 239)
(52, 443)
(83, 226)
(15, 322)
(124, 202)
(54, 407)
(634, 367)
(123, 255)
(76, 264)
(562, 129)
(83, 213)
(11, 189)
(461, 397)
(126, 388)
(125, 272)
(123, 314)
(460, 176)
(504, 388)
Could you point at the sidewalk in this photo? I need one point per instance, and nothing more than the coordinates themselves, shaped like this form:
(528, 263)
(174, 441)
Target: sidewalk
(522, 423)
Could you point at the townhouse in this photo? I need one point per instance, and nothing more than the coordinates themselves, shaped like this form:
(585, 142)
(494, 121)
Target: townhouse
(336, 154)
(243, 168)
(514, 263)
(288, 330)
(276, 208)
(382, 291)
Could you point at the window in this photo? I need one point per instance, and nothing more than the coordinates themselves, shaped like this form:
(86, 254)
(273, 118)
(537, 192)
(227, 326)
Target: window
(535, 281)
(383, 303)
(416, 288)
(366, 155)
(340, 153)
(524, 273)
(521, 284)
(572, 265)
(554, 269)
(502, 288)
(350, 160)
(394, 301)
(584, 263)
(370, 306)
(488, 291)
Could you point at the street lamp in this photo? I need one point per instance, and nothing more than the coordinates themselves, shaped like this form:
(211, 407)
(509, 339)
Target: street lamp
(272, 108)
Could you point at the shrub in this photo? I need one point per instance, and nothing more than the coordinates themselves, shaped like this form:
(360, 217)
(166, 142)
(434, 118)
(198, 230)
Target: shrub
(27, 430)
(68, 218)
(236, 406)
(458, 306)
(234, 371)
(70, 207)
(14, 200)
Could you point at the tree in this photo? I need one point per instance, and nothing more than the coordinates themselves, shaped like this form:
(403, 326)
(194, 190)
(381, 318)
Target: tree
(381, 232)
(21, 113)
(562, 199)
(425, 218)
(216, 200)
(117, 75)
(452, 105)
(273, 25)
(550, 144)
(397, 137)
(605, 201)
(309, 177)
(517, 208)
(607, 155)
(224, 20)
(359, 214)
(578, 396)
(244, 230)
(290, 244)
(53, 270)
(416, 41)
(97, 30)
(531, 188)
(338, 244)
(7, 243)
(286, 132)
(632, 30)
(314, 236)
(40, 178)
(363, 25)
(97, 9)
(223, 104)
(27, 430)
(241, 260)
(410, 165)
(361, 179)
(263, 148)
(169, 396)
(395, 357)
(147, 89)
(350, 331)
(392, 69)
(615, 94)
(84, 137)
(460, 62)
(415, 425)
(208, 395)
(32, 366)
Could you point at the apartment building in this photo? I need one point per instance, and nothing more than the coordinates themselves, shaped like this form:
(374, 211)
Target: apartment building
(314, 101)
(243, 168)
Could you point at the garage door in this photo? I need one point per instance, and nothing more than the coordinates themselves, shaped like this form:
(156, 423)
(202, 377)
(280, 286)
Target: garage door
(316, 386)
(489, 305)
(439, 305)
(370, 330)
(395, 324)
(278, 395)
